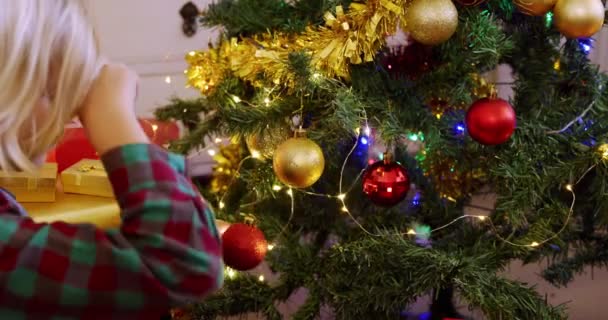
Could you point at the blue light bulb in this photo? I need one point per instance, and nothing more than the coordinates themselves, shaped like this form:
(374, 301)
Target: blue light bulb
(586, 45)
(460, 129)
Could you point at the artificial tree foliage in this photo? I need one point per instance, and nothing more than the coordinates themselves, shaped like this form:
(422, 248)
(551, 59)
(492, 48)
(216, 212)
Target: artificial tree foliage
(373, 269)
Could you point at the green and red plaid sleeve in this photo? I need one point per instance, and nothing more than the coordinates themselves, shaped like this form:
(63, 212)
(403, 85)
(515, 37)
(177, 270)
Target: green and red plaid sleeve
(167, 251)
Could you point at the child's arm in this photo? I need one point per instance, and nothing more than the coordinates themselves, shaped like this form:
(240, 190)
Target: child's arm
(166, 252)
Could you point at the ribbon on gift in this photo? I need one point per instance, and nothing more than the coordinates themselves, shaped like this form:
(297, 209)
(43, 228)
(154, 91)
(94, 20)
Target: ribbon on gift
(85, 169)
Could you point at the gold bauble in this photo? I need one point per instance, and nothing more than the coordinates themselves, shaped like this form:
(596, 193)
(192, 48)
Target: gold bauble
(534, 7)
(579, 18)
(298, 162)
(264, 143)
(431, 22)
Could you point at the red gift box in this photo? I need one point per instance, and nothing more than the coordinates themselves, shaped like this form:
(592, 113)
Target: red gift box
(159, 132)
(75, 146)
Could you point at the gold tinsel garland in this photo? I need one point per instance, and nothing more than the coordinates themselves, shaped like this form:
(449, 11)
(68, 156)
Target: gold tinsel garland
(350, 37)
(227, 166)
(449, 178)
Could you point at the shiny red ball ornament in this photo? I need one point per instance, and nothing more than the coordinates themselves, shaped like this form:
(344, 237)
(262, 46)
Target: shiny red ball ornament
(386, 183)
(491, 121)
(244, 247)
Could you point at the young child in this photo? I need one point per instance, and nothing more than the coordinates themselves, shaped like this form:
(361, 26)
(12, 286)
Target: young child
(167, 251)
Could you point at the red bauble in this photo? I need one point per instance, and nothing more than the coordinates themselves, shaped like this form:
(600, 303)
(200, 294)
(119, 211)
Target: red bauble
(160, 132)
(244, 247)
(491, 121)
(411, 61)
(386, 183)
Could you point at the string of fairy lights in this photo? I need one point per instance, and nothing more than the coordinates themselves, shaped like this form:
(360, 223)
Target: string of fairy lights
(586, 46)
(362, 136)
(343, 194)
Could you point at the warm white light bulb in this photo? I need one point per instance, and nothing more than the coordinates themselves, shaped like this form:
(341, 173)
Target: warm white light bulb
(534, 244)
(603, 149)
(212, 152)
(270, 247)
(277, 188)
(168, 80)
(256, 154)
(411, 232)
(222, 205)
(569, 187)
(342, 197)
(261, 278)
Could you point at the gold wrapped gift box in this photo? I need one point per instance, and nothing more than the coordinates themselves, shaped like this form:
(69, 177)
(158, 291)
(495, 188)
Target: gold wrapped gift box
(87, 177)
(31, 187)
(77, 209)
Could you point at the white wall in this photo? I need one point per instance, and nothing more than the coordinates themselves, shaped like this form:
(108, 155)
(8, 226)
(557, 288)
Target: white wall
(147, 35)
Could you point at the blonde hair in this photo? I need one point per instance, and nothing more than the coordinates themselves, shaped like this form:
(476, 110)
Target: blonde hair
(48, 50)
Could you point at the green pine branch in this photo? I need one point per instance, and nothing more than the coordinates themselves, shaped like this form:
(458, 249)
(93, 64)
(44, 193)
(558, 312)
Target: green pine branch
(562, 109)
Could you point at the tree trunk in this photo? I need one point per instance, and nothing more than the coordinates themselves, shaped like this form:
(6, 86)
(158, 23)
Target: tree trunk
(443, 305)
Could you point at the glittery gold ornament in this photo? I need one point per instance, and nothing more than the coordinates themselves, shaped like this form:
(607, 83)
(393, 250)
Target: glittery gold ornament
(298, 162)
(431, 22)
(470, 2)
(264, 143)
(534, 7)
(579, 18)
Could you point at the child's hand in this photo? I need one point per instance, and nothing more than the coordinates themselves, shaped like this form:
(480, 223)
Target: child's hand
(108, 114)
(115, 86)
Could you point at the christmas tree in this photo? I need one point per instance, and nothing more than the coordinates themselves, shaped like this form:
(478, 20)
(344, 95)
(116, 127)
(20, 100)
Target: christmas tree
(355, 166)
